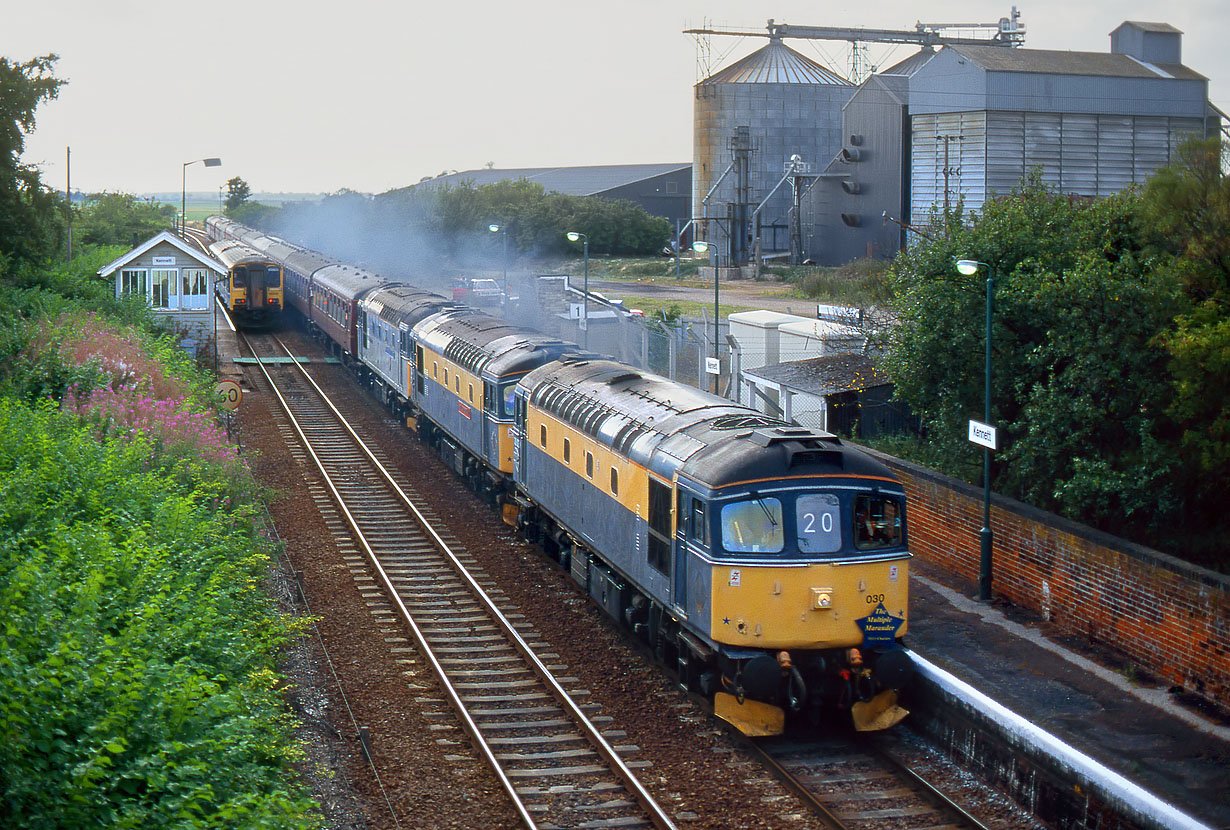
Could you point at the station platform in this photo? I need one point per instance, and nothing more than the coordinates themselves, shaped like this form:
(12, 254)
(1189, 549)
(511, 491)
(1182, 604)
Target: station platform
(1133, 727)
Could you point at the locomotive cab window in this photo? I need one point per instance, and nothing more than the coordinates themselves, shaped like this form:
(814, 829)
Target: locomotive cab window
(753, 526)
(877, 522)
(509, 396)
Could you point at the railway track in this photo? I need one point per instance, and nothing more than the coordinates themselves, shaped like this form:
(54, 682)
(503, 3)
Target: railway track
(862, 785)
(551, 759)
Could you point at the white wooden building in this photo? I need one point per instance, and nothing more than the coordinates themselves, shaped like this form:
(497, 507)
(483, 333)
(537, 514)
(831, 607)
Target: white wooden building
(177, 280)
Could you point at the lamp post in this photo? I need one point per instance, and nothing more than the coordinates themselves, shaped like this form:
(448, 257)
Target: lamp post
(574, 236)
(183, 193)
(495, 227)
(969, 267)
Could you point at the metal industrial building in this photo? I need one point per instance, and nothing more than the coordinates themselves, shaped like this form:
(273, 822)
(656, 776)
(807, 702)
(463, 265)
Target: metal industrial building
(750, 118)
(959, 120)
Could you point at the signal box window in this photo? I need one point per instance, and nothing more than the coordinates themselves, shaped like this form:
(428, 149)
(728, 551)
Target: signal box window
(877, 522)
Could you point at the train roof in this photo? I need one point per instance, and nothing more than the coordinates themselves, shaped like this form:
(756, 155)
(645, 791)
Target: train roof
(305, 263)
(232, 252)
(670, 427)
(348, 281)
(404, 305)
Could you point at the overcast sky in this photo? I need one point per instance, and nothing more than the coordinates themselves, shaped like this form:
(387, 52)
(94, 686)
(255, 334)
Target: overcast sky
(371, 95)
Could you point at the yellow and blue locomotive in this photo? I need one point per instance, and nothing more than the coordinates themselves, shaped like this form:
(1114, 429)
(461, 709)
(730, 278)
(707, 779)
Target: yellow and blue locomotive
(768, 562)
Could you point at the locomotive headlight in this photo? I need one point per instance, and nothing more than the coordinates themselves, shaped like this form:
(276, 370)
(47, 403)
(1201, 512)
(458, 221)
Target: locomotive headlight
(821, 598)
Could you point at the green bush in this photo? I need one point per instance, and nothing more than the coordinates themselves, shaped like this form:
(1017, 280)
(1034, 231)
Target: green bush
(137, 651)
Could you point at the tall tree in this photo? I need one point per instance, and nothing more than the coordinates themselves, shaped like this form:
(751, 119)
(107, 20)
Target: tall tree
(237, 193)
(1080, 386)
(1187, 211)
(29, 223)
(121, 219)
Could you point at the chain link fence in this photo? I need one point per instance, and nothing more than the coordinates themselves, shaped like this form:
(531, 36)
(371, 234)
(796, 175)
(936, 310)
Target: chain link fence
(679, 349)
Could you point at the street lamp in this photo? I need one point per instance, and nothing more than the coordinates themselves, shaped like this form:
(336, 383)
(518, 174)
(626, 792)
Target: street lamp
(969, 267)
(495, 227)
(183, 194)
(574, 236)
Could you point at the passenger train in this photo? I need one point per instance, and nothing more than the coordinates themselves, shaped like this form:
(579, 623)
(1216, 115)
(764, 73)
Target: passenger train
(252, 289)
(765, 563)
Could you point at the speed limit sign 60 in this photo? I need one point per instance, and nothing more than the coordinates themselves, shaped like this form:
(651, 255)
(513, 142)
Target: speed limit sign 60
(228, 394)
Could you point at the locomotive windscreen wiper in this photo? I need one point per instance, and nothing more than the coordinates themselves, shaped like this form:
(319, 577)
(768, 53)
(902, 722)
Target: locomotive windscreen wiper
(767, 512)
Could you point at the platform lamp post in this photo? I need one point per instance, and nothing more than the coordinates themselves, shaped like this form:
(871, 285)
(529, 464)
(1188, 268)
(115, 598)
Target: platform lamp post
(496, 227)
(183, 194)
(574, 236)
(984, 435)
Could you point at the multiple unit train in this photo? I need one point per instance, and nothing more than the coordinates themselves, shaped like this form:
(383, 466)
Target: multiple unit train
(766, 563)
(252, 289)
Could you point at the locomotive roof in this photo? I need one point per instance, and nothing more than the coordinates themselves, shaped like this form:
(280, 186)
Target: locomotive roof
(519, 353)
(400, 304)
(668, 426)
(467, 337)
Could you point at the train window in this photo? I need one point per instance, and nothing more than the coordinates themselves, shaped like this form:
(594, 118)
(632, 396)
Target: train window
(457, 384)
(510, 395)
(614, 482)
(658, 551)
(589, 464)
(567, 450)
(435, 369)
(471, 393)
(542, 435)
(699, 529)
(489, 398)
(877, 522)
(819, 522)
(446, 376)
(753, 526)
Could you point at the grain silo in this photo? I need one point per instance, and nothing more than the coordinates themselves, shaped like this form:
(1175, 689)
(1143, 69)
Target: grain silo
(750, 119)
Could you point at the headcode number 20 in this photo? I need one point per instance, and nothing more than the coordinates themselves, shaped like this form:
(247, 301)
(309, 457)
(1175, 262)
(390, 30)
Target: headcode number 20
(826, 522)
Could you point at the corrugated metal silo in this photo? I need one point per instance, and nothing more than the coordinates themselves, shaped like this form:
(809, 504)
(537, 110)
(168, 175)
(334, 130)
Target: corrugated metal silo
(790, 105)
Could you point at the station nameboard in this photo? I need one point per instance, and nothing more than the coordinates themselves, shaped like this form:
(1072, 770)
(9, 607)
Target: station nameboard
(984, 435)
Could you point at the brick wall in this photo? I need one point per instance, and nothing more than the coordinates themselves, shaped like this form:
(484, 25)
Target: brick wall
(1169, 617)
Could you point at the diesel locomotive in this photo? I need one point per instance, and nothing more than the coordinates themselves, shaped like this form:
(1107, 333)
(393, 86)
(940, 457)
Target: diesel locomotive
(766, 564)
